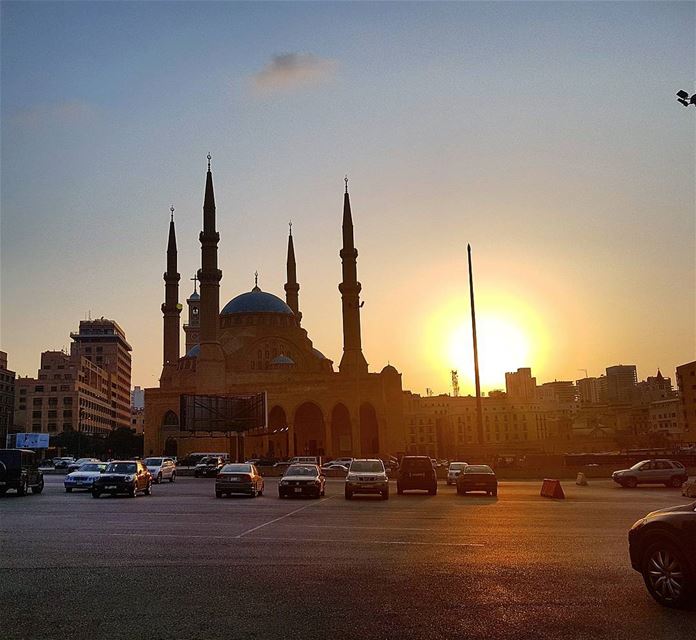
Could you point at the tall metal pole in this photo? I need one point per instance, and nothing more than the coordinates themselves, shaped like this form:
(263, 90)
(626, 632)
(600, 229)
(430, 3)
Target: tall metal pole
(479, 413)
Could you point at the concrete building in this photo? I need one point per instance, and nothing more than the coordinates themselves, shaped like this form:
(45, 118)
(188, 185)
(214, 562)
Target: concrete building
(104, 344)
(666, 417)
(591, 390)
(138, 420)
(137, 398)
(686, 382)
(621, 383)
(256, 344)
(7, 399)
(557, 391)
(520, 385)
(654, 388)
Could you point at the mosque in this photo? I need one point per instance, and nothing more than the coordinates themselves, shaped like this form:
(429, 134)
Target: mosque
(256, 344)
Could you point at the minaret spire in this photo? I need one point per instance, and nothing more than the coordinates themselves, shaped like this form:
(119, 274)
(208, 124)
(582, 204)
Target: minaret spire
(292, 287)
(171, 309)
(353, 360)
(209, 276)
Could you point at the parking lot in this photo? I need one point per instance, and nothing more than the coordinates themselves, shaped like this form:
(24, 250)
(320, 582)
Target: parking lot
(183, 564)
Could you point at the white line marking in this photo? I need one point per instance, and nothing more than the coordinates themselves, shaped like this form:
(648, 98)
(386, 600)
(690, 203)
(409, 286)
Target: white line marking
(287, 515)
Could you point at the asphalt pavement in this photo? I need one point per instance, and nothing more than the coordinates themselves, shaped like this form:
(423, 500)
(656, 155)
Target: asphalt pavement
(183, 564)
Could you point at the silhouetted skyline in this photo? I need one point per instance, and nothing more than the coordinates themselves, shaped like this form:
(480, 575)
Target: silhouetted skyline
(547, 135)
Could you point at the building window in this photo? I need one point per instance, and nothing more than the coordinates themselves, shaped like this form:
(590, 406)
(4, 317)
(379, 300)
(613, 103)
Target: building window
(38, 402)
(36, 415)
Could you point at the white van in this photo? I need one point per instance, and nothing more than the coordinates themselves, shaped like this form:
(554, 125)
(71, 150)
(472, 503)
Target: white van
(304, 460)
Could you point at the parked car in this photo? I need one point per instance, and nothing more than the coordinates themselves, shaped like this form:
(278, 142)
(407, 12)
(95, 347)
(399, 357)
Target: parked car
(332, 466)
(453, 471)
(74, 466)
(84, 477)
(661, 471)
(367, 476)
(416, 472)
(62, 463)
(239, 478)
(661, 547)
(477, 477)
(19, 470)
(123, 476)
(161, 469)
(302, 480)
(208, 467)
(344, 461)
(305, 460)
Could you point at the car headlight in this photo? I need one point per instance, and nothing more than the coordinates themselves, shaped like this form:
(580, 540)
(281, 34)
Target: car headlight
(638, 524)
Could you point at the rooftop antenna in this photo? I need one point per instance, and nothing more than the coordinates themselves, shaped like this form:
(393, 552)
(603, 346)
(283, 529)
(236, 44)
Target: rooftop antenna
(455, 383)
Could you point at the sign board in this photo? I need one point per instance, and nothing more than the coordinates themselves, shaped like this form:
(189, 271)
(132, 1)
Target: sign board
(223, 413)
(32, 441)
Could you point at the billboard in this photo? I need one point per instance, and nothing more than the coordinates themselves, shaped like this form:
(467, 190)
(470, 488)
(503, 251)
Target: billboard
(223, 413)
(32, 441)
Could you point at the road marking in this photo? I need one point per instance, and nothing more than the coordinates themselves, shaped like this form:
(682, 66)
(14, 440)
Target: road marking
(287, 515)
(337, 526)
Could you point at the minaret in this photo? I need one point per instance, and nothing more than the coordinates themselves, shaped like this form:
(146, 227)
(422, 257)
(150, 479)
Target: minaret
(353, 360)
(192, 328)
(292, 287)
(171, 309)
(210, 359)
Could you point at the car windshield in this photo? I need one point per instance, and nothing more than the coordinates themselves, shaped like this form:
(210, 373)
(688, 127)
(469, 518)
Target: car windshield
(92, 466)
(297, 470)
(153, 462)
(478, 468)
(121, 467)
(367, 466)
(456, 466)
(236, 468)
(416, 463)
(638, 465)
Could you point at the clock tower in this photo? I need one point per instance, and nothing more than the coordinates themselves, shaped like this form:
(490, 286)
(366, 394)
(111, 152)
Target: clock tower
(193, 328)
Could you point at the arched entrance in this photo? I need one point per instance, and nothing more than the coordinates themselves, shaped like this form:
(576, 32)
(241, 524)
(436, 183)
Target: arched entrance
(341, 442)
(170, 446)
(369, 431)
(277, 432)
(309, 430)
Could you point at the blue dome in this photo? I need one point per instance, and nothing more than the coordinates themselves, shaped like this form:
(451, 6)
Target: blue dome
(319, 354)
(256, 301)
(194, 351)
(282, 360)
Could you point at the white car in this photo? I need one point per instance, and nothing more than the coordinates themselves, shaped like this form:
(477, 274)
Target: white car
(344, 461)
(74, 466)
(84, 476)
(161, 469)
(333, 466)
(454, 470)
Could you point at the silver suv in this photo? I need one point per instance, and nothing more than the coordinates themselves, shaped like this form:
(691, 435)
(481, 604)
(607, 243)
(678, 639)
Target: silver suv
(367, 476)
(161, 469)
(668, 472)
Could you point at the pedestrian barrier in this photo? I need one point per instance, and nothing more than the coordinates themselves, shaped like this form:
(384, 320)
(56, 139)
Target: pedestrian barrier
(581, 480)
(552, 489)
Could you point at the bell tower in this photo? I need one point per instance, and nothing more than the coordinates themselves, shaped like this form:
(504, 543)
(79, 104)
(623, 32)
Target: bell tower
(192, 328)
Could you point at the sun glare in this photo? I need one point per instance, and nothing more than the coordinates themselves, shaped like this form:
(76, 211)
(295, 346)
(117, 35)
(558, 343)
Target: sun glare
(509, 337)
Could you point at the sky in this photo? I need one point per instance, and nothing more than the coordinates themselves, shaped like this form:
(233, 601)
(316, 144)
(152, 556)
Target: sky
(546, 135)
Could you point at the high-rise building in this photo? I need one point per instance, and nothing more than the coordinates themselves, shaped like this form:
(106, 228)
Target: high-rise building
(138, 397)
(592, 390)
(686, 381)
(104, 343)
(520, 385)
(621, 383)
(558, 391)
(7, 398)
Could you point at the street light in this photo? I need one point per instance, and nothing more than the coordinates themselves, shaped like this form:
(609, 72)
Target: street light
(683, 98)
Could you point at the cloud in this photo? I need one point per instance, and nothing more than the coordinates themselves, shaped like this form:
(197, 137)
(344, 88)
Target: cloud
(291, 71)
(61, 113)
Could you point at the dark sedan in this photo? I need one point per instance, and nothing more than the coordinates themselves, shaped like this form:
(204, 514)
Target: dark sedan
(123, 476)
(208, 467)
(477, 477)
(238, 478)
(661, 547)
(302, 480)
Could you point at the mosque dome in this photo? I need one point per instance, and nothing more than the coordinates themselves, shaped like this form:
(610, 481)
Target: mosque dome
(390, 370)
(282, 361)
(319, 354)
(256, 301)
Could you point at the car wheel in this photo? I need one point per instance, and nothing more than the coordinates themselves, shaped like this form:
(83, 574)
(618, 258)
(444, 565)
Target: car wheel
(148, 489)
(667, 575)
(385, 495)
(95, 494)
(349, 495)
(172, 477)
(39, 487)
(631, 483)
(133, 492)
(218, 494)
(677, 482)
(159, 478)
(432, 491)
(195, 474)
(494, 493)
(68, 490)
(399, 490)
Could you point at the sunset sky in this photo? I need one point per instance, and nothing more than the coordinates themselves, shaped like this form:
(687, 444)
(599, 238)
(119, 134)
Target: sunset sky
(545, 134)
